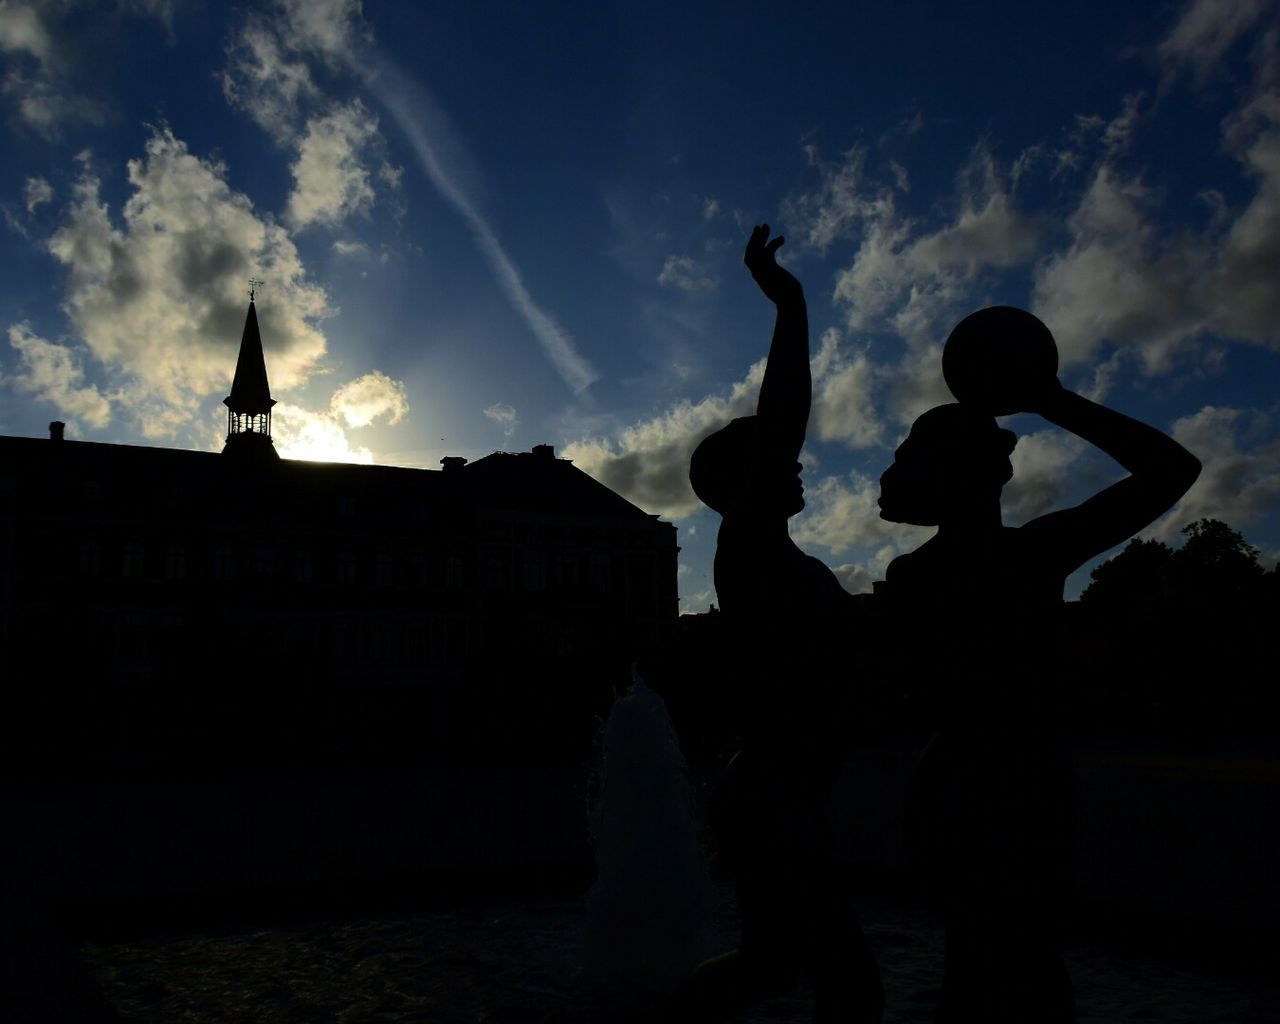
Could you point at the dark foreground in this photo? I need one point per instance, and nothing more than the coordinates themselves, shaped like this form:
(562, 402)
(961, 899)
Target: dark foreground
(515, 961)
(140, 879)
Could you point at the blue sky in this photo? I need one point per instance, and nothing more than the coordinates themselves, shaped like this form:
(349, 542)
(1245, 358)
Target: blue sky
(490, 226)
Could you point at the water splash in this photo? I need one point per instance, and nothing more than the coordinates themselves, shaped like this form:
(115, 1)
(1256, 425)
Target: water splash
(650, 911)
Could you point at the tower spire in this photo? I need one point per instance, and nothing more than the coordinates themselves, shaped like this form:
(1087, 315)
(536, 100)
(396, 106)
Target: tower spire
(249, 404)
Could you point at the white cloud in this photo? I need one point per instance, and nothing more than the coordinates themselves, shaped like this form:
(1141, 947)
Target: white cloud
(1043, 475)
(330, 180)
(841, 514)
(345, 248)
(855, 578)
(696, 604)
(330, 29)
(1247, 301)
(36, 192)
(919, 282)
(505, 416)
(841, 204)
(22, 31)
(53, 373)
(41, 81)
(710, 208)
(1124, 279)
(843, 409)
(1240, 479)
(686, 274)
(390, 174)
(265, 81)
(907, 279)
(160, 301)
(268, 74)
(369, 398)
(1119, 280)
(648, 462)
(1204, 33)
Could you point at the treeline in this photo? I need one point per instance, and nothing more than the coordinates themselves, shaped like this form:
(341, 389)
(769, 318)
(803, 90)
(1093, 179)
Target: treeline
(1180, 638)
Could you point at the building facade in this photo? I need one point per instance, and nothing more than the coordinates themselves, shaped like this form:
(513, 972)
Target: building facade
(133, 566)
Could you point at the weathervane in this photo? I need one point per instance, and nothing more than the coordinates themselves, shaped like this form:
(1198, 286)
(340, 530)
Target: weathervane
(253, 284)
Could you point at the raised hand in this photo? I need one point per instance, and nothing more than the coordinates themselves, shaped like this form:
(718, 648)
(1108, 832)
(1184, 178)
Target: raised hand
(760, 257)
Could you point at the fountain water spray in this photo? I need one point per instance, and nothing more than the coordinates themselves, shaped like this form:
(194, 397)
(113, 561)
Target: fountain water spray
(649, 913)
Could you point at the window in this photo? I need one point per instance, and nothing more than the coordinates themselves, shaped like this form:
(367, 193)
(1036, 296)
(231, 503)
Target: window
(453, 577)
(383, 570)
(493, 573)
(302, 566)
(223, 563)
(346, 567)
(90, 558)
(175, 562)
(133, 565)
(264, 562)
(384, 641)
(600, 572)
(532, 571)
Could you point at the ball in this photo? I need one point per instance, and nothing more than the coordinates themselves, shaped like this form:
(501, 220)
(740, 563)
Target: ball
(996, 359)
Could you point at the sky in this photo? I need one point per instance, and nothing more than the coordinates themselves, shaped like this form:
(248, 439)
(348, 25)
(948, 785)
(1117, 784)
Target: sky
(481, 227)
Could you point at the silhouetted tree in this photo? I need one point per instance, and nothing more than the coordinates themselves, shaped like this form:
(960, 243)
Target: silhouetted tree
(1215, 566)
(1178, 633)
(1138, 577)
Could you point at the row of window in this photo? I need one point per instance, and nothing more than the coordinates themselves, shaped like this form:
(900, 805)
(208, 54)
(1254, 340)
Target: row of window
(430, 640)
(263, 563)
(535, 569)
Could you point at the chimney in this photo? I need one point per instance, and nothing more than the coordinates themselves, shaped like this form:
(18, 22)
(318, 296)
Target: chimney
(453, 463)
(544, 451)
(55, 430)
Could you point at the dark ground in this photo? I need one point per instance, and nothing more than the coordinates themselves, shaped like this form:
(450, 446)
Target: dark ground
(455, 893)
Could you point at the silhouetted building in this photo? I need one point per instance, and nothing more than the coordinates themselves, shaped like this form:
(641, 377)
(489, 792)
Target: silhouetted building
(127, 565)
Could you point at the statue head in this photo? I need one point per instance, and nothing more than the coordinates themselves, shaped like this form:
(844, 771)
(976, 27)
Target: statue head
(953, 463)
(731, 467)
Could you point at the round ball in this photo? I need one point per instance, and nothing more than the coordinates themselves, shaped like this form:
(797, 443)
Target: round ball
(997, 358)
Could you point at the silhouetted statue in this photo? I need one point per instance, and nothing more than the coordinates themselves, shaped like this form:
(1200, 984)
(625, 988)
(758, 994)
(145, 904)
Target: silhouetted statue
(977, 609)
(783, 611)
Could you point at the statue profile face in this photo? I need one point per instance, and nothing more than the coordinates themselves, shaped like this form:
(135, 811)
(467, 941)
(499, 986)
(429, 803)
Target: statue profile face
(913, 489)
(953, 461)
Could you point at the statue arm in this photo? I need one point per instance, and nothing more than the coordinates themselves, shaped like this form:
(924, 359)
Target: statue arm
(782, 410)
(1160, 472)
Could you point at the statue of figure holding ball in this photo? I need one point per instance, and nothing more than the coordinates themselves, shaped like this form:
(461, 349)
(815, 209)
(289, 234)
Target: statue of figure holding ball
(977, 629)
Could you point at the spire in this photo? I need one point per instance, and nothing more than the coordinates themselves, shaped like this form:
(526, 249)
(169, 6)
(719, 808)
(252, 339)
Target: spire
(249, 404)
(249, 390)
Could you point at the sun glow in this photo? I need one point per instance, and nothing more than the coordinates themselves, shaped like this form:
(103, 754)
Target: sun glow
(314, 436)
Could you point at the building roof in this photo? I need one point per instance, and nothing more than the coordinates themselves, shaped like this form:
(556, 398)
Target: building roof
(538, 481)
(250, 392)
(533, 483)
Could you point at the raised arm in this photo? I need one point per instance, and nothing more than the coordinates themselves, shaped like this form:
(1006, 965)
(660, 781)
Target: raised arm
(1161, 471)
(786, 391)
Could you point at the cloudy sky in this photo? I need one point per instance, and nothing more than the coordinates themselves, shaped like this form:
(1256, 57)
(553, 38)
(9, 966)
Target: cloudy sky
(487, 226)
